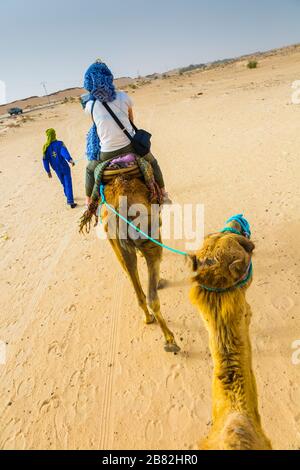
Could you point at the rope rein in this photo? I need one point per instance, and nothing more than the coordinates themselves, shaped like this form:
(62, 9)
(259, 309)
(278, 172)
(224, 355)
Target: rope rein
(173, 250)
(239, 218)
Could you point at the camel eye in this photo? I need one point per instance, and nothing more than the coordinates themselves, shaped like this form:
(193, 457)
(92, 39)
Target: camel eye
(207, 261)
(210, 261)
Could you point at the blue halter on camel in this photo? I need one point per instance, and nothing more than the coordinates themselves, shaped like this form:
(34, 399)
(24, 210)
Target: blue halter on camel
(99, 81)
(245, 232)
(244, 224)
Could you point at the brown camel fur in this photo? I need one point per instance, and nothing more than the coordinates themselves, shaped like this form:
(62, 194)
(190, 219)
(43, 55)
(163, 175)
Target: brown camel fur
(126, 251)
(221, 262)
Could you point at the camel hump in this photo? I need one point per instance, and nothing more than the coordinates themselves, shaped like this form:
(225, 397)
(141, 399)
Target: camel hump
(134, 189)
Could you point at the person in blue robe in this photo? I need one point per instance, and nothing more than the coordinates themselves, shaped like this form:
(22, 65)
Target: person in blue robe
(57, 157)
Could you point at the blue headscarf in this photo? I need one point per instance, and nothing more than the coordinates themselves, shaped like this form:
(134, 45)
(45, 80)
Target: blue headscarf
(93, 147)
(99, 81)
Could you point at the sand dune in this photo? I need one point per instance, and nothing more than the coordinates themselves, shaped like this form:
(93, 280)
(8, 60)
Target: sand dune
(82, 369)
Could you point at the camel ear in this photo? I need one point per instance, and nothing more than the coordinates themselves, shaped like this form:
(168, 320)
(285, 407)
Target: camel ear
(192, 262)
(237, 268)
(247, 244)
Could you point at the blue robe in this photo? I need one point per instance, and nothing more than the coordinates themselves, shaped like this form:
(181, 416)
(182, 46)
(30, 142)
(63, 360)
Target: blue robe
(57, 157)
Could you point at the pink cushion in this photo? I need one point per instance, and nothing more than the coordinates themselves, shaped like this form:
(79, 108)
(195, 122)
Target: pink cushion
(125, 159)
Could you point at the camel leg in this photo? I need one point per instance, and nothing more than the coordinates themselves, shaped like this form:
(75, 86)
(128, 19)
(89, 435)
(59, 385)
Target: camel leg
(128, 262)
(153, 263)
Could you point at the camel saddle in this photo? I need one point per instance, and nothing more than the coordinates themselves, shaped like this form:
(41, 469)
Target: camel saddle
(130, 172)
(124, 165)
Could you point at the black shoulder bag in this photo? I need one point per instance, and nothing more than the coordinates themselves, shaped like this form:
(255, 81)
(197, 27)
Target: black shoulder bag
(141, 141)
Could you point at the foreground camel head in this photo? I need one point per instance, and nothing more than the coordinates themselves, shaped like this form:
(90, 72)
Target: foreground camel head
(223, 260)
(222, 272)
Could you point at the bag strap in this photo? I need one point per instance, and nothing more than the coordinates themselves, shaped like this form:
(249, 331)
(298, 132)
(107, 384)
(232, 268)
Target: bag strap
(117, 120)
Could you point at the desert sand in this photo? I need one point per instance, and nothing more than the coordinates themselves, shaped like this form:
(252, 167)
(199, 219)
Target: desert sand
(82, 369)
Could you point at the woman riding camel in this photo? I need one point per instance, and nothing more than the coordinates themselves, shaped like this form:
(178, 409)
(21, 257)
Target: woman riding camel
(106, 140)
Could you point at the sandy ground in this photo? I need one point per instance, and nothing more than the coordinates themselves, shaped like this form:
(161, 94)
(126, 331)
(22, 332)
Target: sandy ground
(82, 369)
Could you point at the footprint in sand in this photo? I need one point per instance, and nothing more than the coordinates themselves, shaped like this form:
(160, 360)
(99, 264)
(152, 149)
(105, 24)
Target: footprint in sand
(11, 435)
(145, 396)
(294, 393)
(154, 431)
(283, 303)
(265, 343)
(89, 359)
(138, 399)
(25, 388)
(16, 441)
(48, 405)
(148, 390)
(61, 429)
(178, 414)
(175, 379)
(70, 309)
(20, 356)
(55, 349)
(74, 379)
(85, 399)
(200, 410)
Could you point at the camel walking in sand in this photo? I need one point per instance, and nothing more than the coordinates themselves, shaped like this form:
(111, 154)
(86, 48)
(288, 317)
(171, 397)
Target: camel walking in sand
(126, 250)
(223, 272)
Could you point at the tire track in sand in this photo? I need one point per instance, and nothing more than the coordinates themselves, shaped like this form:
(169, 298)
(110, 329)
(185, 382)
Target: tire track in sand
(105, 424)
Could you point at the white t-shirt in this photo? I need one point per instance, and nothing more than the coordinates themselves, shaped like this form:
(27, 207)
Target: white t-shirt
(110, 135)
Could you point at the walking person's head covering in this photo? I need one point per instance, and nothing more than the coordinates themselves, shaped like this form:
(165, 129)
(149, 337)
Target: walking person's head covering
(51, 137)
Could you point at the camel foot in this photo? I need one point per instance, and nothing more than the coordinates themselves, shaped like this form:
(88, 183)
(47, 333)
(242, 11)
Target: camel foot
(172, 347)
(149, 319)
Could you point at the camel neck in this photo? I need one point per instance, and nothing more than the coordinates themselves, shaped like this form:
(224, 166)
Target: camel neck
(234, 386)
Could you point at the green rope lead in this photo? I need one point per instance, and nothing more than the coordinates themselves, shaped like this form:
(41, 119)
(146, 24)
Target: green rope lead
(173, 250)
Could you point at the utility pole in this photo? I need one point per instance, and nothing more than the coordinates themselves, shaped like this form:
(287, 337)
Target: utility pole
(46, 92)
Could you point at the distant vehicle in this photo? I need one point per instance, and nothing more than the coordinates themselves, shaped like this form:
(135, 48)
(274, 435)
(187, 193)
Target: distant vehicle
(15, 111)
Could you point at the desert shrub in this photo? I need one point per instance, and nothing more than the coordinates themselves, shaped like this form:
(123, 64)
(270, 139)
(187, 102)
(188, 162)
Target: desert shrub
(133, 86)
(252, 64)
(144, 82)
(191, 67)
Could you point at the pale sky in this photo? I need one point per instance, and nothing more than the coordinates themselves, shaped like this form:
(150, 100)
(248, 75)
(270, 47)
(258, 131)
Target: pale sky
(56, 41)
